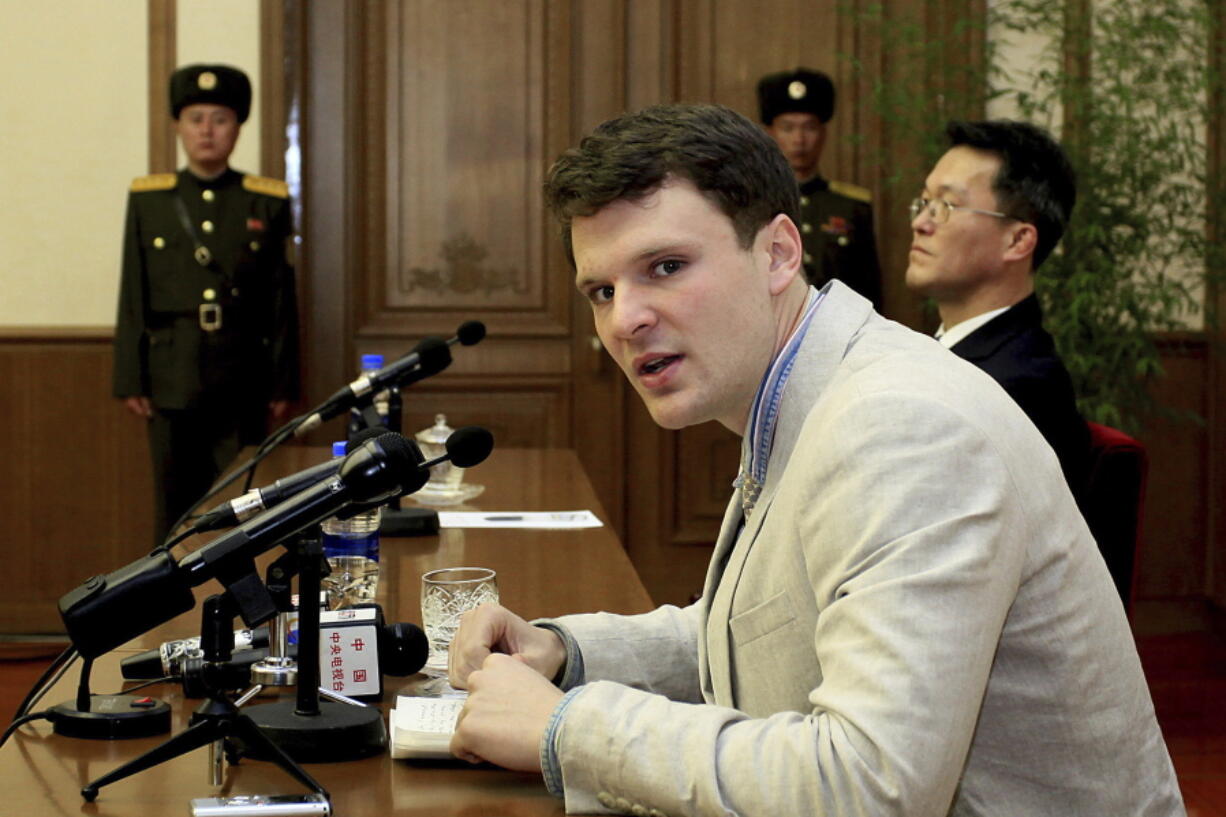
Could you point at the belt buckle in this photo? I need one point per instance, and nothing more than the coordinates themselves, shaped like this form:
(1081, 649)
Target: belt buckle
(210, 317)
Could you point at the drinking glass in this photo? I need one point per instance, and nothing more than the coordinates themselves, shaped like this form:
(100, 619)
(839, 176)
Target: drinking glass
(445, 595)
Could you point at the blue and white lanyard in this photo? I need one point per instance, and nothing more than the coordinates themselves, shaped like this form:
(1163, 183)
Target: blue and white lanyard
(755, 452)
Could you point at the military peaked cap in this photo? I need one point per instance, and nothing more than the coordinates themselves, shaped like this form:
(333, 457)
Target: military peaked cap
(215, 84)
(799, 91)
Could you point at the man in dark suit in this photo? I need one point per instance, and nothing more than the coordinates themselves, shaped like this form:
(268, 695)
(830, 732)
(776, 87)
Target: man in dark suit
(992, 210)
(836, 218)
(206, 338)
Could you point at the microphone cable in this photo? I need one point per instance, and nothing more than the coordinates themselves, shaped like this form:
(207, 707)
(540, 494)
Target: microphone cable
(58, 666)
(50, 677)
(265, 448)
(17, 723)
(36, 694)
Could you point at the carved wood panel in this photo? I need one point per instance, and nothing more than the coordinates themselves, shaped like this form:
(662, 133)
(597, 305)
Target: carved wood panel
(456, 137)
(432, 128)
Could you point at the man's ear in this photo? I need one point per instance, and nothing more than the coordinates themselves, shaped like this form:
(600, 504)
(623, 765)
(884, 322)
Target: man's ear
(786, 252)
(1023, 239)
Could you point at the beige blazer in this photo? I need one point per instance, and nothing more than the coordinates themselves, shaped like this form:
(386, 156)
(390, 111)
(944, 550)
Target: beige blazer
(914, 620)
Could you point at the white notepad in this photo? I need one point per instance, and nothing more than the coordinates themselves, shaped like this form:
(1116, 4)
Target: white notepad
(422, 727)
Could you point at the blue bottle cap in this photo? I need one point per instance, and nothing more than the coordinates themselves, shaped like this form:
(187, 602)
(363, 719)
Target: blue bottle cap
(372, 362)
(338, 448)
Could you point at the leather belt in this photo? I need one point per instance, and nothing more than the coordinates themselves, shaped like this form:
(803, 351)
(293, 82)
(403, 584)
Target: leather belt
(208, 315)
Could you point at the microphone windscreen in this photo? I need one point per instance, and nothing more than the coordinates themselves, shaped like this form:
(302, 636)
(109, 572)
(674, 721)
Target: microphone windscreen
(363, 434)
(433, 355)
(470, 332)
(469, 446)
(403, 649)
(399, 451)
(407, 458)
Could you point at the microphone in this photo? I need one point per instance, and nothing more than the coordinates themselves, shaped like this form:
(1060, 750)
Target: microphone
(230, 513)
(169, 658)
(428, 357)
(107, 611)
(466, 447)
(402, 649)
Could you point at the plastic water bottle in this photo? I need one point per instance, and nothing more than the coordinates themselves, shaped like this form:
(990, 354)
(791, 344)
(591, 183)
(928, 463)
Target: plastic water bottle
(370, 364)
(351, 547)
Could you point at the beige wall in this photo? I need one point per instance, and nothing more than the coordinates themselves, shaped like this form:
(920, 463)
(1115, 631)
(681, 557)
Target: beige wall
(73, 114)
(74, 131)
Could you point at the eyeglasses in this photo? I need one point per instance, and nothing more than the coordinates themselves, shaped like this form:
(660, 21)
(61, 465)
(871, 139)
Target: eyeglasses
(938, 210)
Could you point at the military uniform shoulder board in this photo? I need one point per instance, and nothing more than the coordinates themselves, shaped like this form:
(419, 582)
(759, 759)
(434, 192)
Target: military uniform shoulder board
(155, 181)
(269, 187)
(852, 191)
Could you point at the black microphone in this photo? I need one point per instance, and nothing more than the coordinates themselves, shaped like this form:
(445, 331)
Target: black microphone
(466, 447)
(402, 650)
(169, 657)
(230, 513)
(107, 611)
(428, 357)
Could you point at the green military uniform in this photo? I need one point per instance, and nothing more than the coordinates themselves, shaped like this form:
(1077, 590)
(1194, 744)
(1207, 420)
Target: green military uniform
(207, 325)
(836, 227)
(836, 218)
(207, 319)
(210, 344)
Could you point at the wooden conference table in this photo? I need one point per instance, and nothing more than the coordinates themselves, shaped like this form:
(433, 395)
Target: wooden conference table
(539, 573)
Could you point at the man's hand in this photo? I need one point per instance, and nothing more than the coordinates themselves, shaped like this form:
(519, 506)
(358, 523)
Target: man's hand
(505, 716)
(140, 406)
(492, 628)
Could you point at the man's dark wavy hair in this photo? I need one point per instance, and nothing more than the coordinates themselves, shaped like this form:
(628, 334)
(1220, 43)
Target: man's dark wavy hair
(730, 159)
(1035, 184)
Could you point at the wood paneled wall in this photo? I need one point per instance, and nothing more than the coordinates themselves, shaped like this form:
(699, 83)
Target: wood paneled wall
(76, 495)
(426, 128)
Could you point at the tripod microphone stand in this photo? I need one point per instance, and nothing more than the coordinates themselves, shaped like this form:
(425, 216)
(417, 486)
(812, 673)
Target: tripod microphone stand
(304, 729)
(215, 720)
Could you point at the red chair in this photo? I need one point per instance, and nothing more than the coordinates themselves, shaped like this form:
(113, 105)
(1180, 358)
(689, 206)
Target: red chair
(1114, 502)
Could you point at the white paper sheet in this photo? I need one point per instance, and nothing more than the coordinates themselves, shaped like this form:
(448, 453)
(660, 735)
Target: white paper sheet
(544, 520)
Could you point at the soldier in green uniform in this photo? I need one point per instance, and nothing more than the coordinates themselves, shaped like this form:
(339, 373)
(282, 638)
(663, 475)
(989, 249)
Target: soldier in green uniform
(836, 218)
(206, 339)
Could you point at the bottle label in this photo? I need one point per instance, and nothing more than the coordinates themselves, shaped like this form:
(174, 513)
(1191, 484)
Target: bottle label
(352, 544)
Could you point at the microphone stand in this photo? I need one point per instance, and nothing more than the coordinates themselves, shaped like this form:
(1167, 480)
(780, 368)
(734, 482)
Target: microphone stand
(216, 720)
(395, 520)
(304, 729)
(109, 717)
(278, 668)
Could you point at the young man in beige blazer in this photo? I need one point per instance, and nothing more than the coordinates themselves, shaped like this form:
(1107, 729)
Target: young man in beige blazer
(904, 613)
